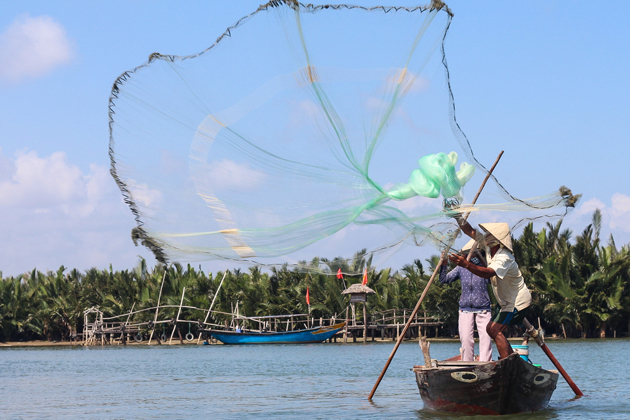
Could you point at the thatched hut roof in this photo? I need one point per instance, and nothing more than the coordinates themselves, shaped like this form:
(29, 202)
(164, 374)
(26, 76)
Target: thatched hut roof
(358, 288)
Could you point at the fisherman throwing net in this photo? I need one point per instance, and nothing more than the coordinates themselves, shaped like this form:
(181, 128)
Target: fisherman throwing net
(508, 285)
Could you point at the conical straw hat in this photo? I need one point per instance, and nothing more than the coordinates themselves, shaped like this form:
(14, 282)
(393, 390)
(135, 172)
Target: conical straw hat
(501, 231)
(468, 245)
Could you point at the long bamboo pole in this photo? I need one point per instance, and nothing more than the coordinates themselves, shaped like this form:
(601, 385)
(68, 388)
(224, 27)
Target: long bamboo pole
(130, 312)
(158, 304)
(212, 304)
(426, 289)
(534, 333)
(177, 319)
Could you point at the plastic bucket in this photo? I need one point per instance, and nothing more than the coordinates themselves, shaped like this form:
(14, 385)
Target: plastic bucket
(523, 351)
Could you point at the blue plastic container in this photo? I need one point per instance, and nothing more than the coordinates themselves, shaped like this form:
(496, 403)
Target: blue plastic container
(523, 351)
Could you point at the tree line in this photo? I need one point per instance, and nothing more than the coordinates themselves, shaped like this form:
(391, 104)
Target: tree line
(580, 288)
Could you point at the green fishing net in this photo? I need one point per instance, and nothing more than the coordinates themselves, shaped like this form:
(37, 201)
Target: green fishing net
(293, 127)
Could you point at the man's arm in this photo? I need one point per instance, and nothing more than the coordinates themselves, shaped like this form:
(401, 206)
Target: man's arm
(465, 227)
(482, 272)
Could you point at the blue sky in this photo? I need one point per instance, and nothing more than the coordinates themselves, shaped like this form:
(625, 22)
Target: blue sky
(544, 81)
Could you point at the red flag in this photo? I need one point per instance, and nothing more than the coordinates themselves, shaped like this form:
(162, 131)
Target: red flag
(364, 277)
(339, 274)
(308, 298)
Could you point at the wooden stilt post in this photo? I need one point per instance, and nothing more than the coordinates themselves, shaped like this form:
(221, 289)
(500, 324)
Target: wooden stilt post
(426, 289)
(181, 340)
(157, 308)
(177, 319)
(365, 322)
(122, 338)
(212, 304)
(345, 328)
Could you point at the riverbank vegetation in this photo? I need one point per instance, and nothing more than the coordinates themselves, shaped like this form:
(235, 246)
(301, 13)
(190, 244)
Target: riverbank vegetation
(580, 287)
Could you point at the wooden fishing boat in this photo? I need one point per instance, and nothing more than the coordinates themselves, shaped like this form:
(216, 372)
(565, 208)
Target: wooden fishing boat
(507, 386)
(309, 335)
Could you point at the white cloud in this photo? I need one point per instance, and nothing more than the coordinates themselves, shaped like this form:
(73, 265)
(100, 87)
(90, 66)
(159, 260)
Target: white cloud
(32, 46)
(615, 217)
(142, 194)
(38, 183)
(620, 212)
(588, 207)
(97, 183)
(229, 175)
(54, 213)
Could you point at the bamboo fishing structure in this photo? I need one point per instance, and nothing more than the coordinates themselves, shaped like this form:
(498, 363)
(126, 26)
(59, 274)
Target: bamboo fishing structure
(386, 324)
(381, 325)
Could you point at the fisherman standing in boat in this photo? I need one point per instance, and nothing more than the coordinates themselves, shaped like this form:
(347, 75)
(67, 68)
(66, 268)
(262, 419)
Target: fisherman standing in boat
(474, 306)
(506, 278)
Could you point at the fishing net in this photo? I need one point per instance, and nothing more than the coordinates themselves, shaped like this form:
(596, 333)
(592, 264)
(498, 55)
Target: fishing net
(293, 127)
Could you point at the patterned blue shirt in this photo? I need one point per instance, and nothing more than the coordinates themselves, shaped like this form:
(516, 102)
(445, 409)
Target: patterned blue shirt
(474, 292)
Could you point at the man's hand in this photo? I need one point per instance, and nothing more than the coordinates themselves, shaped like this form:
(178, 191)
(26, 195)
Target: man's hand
(483, 272)
(458, 260)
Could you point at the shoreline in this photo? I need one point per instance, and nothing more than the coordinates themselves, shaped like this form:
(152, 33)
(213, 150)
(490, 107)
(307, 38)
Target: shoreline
(44, 343)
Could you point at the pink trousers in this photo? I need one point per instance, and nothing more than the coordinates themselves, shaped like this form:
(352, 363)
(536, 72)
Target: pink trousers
(466, 328)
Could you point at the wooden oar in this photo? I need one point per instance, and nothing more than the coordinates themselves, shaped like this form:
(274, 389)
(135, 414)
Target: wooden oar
(426, 289)
(534, 334)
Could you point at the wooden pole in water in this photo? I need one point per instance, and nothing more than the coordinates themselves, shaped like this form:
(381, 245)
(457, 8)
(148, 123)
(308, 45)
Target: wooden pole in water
(365, 322)
(177, 319)
(181, 340)
(536, 336)
(122, 338)
(157, 308)
(212, 304)
(426, 289)
(345, 328)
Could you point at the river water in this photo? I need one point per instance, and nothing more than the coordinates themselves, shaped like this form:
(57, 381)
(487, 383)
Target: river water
(276, 381)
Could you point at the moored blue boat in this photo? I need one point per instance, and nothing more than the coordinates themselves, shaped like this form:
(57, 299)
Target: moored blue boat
(310, 335)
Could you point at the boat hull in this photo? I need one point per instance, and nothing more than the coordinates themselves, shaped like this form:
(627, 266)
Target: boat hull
(311, 335)
(506, 386)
